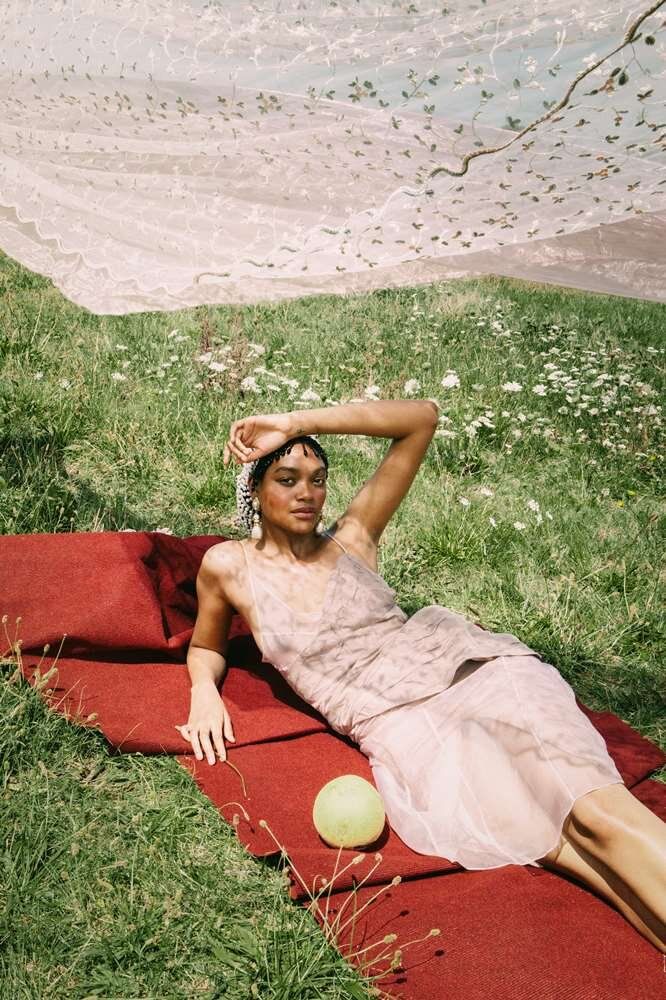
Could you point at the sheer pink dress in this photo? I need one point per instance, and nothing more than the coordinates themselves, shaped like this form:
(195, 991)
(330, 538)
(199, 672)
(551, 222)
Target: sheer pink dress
(476, 745)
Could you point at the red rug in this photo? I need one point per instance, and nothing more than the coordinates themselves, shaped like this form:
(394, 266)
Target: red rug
(126, 603)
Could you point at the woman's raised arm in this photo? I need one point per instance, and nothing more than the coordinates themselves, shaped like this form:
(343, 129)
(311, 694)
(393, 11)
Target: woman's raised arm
(410, 422)
(390, 418)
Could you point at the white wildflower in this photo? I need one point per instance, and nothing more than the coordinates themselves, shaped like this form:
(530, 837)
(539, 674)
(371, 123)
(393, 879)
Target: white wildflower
(540, 390)
(411, 387)
(249, 382)
(256, 348)
(464, 501)
(122, 347)
(38, 375)
(217, 366)
(372, 392)
(533, 505)
(118, 377)
(512, 386)
(310, 396)
(443, 419)
(493, 522)
(205, 358)
(519, 526)
(64, 383)
(450, 380)
(485, 492)
(164, 531)
(443, 433)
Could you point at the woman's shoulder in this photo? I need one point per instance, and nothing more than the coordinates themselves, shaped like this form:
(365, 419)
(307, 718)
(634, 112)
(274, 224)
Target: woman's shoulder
(221, 565)
(222, 555)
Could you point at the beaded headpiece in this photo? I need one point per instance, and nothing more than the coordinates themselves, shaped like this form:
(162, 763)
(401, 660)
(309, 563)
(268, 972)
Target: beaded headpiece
(251, 473)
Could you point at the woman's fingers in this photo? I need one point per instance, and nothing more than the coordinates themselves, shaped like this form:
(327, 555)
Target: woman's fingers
(196, 746)
(228, 728)
(230, 449)
(204, 736)
(219, 744)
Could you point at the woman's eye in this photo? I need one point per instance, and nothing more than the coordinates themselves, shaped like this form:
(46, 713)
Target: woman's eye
(319, 482)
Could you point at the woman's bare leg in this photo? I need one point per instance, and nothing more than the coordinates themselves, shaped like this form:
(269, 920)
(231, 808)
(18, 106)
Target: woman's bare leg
(617, 845)
(573, 860)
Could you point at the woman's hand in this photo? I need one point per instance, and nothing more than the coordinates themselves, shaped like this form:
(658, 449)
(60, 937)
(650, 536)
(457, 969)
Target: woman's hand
(252, 437)
(208, 718)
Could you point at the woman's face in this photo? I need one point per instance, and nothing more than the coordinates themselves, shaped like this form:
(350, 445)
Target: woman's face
(292, 482)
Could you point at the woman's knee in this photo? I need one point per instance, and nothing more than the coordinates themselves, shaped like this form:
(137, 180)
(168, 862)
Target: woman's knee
(598, 816)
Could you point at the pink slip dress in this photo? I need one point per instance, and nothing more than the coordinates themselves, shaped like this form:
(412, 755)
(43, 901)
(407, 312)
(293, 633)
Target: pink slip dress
(476, 745)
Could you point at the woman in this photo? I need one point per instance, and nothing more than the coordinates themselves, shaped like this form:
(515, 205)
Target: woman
(477, 746)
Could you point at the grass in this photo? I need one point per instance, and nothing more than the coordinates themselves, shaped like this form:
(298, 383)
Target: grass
(537, 513)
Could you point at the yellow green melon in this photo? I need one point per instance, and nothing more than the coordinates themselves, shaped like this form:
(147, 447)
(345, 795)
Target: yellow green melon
(348, 812)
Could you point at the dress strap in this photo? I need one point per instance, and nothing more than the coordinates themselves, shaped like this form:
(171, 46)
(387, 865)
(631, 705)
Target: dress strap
(249, 573)
(336, 540)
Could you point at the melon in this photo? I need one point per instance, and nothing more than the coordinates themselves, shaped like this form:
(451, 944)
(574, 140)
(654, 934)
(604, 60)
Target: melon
(348, 812)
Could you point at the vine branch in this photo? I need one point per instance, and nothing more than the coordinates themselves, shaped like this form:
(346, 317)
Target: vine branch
(628, 38)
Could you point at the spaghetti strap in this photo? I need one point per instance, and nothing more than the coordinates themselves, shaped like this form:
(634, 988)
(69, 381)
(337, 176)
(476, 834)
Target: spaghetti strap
(249, 573)
(336, 540)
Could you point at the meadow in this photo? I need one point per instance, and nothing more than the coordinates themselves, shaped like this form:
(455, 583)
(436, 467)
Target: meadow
(538, 510)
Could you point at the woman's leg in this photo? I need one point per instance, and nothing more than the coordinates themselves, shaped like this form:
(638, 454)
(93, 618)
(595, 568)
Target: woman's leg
(618, 846)
(573, 860)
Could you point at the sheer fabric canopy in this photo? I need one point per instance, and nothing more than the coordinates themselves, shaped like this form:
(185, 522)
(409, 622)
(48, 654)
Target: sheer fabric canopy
(158, 155)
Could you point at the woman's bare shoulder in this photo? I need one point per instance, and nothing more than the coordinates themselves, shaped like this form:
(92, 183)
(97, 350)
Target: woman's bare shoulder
(221, 565)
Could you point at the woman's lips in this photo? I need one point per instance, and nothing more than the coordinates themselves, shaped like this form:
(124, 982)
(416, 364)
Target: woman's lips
(303, 513)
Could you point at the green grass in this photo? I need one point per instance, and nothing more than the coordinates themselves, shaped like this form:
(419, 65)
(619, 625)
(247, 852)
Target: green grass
(129, 883)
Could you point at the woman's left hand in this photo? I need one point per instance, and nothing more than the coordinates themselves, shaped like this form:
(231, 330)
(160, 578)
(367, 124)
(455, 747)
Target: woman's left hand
(252, 437)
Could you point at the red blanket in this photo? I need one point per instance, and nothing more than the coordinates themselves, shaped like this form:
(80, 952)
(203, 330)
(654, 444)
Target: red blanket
(126, 605)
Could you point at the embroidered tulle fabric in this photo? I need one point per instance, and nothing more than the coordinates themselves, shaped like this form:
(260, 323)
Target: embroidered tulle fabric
(477, 746)
(169, 153)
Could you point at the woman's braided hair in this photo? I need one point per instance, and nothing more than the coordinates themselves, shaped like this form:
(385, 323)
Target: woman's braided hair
(252, 473)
